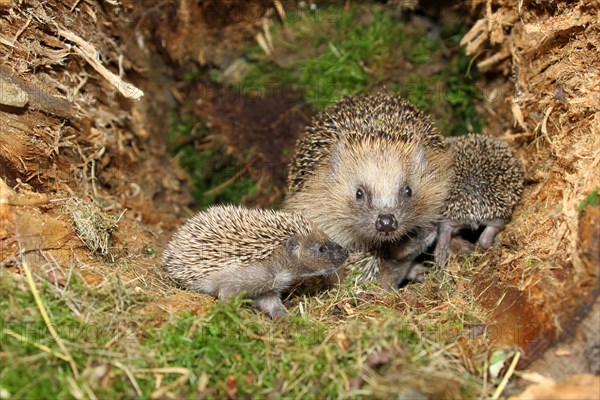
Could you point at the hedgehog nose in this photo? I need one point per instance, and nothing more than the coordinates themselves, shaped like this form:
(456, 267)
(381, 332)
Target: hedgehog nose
(386, 223)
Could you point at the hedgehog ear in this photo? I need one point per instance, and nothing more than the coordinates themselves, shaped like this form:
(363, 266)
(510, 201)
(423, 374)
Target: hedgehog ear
(421, 157)
(421, 154)
(336, 159)
(292, 246)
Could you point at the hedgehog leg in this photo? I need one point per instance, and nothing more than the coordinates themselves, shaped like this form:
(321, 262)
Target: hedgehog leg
(486, 240)
(460, 245)
(417, 273)
(271, 304)
(411, 248)
(442, 247)
(393, 272)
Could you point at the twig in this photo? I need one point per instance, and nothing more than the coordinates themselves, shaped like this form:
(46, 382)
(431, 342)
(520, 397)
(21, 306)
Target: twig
(6, 42)
(71, 266)
(130, 376)
(280, 10)
(93, 178)
(267, 33)
(90, 54)
(507, 376)
(46, 318)
(228, 182)
(75, 5)
(263, 43)
(184, 372)
(80, 85)
(120, 216)
(20, 31)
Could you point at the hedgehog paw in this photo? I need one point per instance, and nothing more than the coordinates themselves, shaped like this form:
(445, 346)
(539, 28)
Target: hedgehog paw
(271, 304)
(441, 255)
(486, 240)
(417, 273)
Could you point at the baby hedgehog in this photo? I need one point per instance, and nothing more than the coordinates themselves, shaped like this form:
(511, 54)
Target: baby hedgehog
(370, 170)
(227, 250)
(488, 183)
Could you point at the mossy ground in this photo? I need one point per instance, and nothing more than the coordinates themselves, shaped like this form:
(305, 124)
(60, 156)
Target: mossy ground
(348, 342)
(207, 163)
(334, 53)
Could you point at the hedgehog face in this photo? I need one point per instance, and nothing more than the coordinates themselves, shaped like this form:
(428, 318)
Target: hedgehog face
(315, 254)
(386, 187)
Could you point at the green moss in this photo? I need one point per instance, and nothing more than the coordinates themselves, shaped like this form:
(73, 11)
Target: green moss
(338, 55)
(422, 49)
(86, 320)
(462, 97)
(209, 168)
(591, 199)
(346, 53)
(232, 347)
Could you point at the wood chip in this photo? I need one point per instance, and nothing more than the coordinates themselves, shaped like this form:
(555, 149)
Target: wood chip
(11, 94)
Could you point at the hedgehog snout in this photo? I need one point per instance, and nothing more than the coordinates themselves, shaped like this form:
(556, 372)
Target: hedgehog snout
(339, 253)
(386, 223)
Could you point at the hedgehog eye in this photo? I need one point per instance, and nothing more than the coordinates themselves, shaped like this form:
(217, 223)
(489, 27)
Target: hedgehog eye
(360, 194)
(407, 191)
(322, 249)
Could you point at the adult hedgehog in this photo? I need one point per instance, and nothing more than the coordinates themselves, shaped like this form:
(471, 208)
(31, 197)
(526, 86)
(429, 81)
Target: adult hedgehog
(372, 173)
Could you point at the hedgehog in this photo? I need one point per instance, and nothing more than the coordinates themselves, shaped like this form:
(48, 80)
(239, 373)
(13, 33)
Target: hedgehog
(379, 113)
(488, 183)
(370, 170)
(225, 251)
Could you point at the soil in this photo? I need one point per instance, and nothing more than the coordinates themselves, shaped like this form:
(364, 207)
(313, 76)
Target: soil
(265, 128)
(77, 136)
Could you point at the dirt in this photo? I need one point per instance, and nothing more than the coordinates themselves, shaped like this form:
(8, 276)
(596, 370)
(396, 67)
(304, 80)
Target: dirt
(265, 127)
(581, 386)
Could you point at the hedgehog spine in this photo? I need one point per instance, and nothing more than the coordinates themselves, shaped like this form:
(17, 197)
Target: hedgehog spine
(488, 183)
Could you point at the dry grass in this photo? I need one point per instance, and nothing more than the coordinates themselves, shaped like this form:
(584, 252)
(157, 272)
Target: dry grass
(93, 226)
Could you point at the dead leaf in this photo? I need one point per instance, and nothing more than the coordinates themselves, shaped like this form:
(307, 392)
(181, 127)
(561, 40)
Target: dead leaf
(231, 387)
(518, 115)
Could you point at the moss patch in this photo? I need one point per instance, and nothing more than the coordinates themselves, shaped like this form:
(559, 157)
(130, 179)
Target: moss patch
(214, 172)
(354, 338)
(336, 53)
